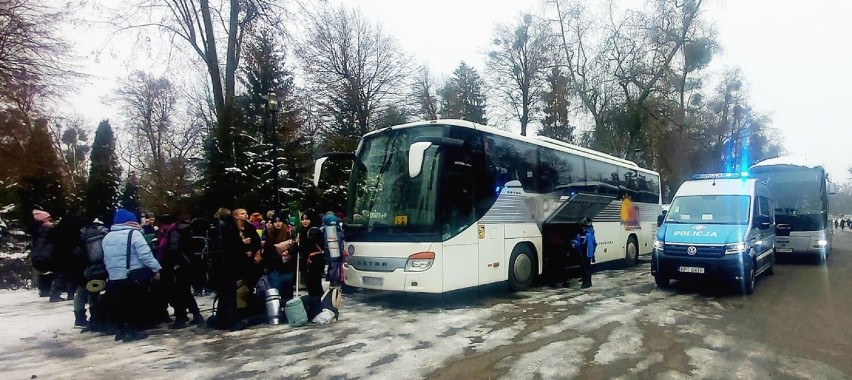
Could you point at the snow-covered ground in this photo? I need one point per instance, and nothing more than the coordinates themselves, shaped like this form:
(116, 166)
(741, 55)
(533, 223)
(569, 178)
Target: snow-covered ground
(623, 327)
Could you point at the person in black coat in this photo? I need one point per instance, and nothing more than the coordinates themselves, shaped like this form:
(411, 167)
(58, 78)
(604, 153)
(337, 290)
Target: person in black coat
(311, 256)
(225, 258)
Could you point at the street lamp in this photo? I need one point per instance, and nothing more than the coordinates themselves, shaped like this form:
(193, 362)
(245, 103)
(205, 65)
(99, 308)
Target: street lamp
(272, 107)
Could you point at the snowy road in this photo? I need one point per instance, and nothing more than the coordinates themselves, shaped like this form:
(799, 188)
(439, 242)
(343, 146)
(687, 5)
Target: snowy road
(623, 327)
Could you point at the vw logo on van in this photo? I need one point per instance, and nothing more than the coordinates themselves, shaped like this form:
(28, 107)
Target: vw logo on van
(691, 250)
(699, 227)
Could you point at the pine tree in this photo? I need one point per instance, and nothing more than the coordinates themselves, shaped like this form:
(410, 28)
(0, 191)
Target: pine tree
(41, 182)
(463, 97)
(104, 175)
(269, 147)
(130, 195)
(556, 102)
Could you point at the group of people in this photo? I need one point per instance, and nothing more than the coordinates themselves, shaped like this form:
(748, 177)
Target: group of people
(843, 223)
(131, 270)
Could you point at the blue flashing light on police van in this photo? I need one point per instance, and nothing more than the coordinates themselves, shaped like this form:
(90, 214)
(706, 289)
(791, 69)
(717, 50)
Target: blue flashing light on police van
(720, 175)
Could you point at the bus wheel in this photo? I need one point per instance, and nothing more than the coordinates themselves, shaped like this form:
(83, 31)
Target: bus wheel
(631, 251)
(521, 268)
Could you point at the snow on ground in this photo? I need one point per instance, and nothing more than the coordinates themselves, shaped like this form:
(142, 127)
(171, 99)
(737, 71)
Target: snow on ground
(623, 327)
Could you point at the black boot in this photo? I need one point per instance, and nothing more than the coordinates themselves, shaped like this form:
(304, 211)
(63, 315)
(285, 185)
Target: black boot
(179, 324)
(133, 335)
(80, 320)
(197, 319)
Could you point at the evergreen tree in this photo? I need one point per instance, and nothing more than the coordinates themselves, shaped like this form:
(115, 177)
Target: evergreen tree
(222, 176)
(41, 182)
(463, 97)
(556, 98)
(104, 174)
(130, 195)
(269, 146)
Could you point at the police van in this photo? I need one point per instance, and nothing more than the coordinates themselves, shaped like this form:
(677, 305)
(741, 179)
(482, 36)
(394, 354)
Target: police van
(718, 227)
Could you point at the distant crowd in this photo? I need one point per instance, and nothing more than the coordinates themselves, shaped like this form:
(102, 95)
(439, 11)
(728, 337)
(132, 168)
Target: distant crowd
(131, 270)
(843, 223)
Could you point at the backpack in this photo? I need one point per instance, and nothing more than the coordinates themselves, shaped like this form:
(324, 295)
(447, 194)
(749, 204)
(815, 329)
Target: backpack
(333, 236)
(94, 248)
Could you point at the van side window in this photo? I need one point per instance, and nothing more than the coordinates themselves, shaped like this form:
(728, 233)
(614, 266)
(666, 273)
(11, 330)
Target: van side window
(766, 209)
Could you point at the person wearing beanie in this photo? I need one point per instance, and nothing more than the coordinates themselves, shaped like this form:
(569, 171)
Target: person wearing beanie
(129, 293)
(41, 216)
(41, 253)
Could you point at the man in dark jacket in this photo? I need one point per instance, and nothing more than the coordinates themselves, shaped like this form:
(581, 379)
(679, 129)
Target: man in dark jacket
(67, 259)
(585, 245)
(95, 276)
(225, 258)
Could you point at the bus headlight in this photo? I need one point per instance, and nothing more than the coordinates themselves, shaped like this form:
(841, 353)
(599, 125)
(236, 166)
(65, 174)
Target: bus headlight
(420, 261)
(658, 245)
(735, 248)
(821, 243)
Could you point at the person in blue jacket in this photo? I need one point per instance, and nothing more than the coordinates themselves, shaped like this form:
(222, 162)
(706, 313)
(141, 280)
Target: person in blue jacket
(128, 295)
(585, 245)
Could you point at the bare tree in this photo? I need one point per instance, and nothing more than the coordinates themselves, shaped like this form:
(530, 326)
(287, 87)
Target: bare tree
(33, 58)
(519, 63)
(162, 144)
(585, 61)
(425, 94)
(355, 70)
(207, 28)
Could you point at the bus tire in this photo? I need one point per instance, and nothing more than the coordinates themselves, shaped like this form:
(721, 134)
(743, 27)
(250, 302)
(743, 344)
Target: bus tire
(522, 268)
(631, 251)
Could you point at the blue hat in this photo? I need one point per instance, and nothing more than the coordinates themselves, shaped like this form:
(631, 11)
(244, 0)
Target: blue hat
(123, 216)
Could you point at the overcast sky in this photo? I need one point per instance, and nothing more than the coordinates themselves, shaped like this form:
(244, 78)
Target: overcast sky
(796, 57)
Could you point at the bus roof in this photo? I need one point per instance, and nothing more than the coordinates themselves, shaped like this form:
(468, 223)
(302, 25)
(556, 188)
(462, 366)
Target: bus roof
(537, 140)
(799, 161)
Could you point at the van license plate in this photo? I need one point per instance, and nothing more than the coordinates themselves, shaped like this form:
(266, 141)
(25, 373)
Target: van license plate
(786, 250)
(373, 281)
(691, 269)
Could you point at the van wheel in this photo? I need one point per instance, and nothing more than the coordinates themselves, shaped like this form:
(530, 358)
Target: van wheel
(749, 280)
(521, 268)
(631, 251)
(662, 282)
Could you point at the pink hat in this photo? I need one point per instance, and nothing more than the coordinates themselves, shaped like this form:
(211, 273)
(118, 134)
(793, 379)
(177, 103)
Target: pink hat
(40, 216)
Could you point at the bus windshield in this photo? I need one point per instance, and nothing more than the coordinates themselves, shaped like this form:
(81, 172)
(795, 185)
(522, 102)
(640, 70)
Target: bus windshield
(798, 194)
(384, 203)
(709, 209)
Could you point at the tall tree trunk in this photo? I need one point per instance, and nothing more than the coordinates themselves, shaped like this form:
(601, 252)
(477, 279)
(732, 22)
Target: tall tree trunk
(211, 58)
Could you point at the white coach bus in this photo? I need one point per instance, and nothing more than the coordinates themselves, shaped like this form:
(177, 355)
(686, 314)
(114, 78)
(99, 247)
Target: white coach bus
(442, 205)
(800, 188)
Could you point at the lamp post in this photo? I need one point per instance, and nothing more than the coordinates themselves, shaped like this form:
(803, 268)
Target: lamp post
(272, 107)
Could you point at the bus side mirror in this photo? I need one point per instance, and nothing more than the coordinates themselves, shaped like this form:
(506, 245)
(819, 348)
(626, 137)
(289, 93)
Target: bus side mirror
(661, 218)
(832, 188)
(415, 157)
(762, 221)
(333, 156)
(318, 169)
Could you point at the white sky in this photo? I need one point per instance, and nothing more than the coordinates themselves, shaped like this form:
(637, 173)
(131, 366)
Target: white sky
(796, 57)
